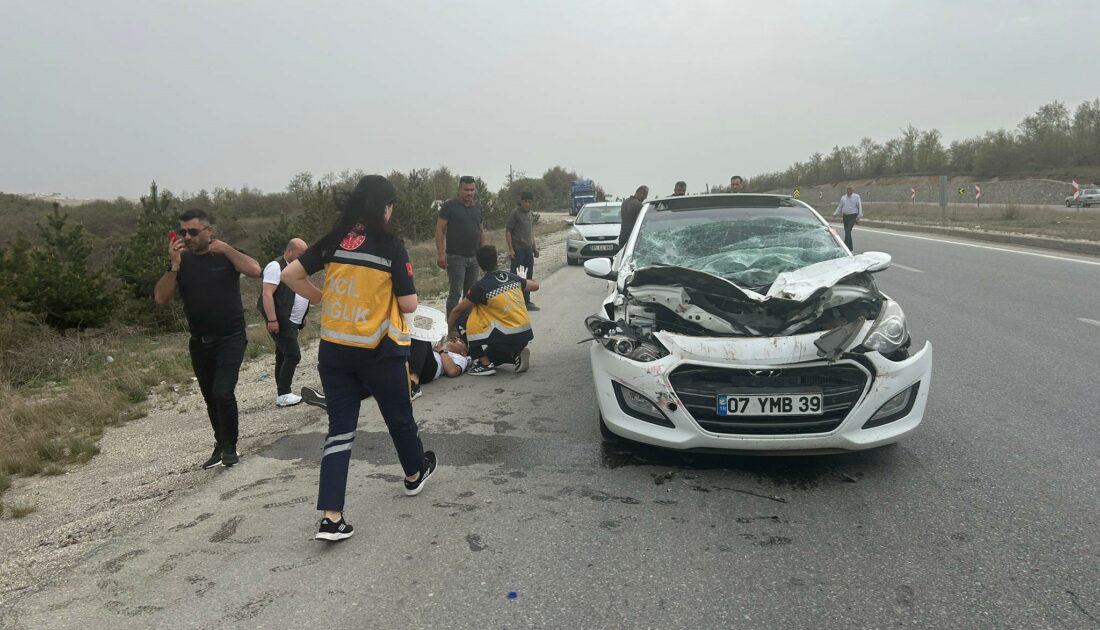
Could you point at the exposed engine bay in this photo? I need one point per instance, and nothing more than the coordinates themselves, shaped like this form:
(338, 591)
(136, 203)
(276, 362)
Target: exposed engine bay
(828, 297)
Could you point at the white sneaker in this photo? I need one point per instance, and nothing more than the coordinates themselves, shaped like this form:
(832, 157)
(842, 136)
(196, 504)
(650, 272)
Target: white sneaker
(288, 400)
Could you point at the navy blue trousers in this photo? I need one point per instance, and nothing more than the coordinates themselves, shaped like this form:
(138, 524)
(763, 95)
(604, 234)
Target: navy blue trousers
(348, 375)
(525, 256)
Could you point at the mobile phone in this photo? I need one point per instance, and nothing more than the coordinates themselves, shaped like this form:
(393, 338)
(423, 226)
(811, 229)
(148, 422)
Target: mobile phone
(172, 236)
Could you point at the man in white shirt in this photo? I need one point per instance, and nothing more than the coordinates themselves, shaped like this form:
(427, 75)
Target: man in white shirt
(285, 312)
(850, 210)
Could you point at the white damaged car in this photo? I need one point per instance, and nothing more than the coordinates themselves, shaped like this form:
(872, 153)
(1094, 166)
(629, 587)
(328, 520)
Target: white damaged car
(743, 323)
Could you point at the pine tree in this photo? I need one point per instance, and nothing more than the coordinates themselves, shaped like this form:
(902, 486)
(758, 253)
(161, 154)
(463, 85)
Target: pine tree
(55, 283)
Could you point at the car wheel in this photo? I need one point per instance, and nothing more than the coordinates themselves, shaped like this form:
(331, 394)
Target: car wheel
(1068, 204)
(569, 261)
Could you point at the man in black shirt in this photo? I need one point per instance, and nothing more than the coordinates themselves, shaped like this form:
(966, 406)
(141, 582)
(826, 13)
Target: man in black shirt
(459, 224)
(207, 272)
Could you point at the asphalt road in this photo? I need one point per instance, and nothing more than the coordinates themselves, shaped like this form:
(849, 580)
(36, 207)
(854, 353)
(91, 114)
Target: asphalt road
(986, 517)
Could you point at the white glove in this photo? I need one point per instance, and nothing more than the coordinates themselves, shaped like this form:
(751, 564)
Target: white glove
(521, 271)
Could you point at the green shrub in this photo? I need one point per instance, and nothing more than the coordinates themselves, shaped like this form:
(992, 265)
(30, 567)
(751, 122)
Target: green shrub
(52, 280)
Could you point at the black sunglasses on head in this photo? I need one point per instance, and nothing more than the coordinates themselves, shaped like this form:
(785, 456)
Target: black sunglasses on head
(192, 232)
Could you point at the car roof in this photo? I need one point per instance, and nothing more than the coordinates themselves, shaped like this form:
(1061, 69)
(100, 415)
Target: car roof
(601, 204)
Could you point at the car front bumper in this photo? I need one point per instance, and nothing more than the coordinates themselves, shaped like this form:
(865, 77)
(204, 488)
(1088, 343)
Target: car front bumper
(882, 380)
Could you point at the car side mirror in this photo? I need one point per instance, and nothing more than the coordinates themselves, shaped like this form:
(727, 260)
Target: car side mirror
(600, 268)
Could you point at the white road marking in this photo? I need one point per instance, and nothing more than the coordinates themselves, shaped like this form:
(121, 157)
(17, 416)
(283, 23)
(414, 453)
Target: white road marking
(894, 264)
(996, 249)
(1088, 321)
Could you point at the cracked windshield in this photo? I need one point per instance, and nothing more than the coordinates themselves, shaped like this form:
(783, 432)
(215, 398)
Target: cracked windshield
(748, 246)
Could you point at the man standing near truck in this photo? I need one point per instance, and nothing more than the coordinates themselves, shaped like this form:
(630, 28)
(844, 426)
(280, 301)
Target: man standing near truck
(522, 248)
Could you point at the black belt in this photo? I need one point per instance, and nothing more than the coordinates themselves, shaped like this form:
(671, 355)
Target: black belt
(208, 339)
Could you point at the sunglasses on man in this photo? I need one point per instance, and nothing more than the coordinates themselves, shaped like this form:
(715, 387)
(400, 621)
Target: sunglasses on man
(193, 232)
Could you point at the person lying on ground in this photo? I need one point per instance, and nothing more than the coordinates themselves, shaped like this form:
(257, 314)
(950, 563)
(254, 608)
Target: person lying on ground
(427, 362)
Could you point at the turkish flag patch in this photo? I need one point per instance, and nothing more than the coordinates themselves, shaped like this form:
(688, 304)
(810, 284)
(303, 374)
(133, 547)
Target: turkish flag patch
(409, 269)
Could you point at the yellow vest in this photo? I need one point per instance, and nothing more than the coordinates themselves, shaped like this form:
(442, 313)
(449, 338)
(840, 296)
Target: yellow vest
(504, 311)
(358, 307)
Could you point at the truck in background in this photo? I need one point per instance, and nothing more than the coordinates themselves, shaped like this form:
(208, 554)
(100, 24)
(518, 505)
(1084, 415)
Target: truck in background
(581, 191)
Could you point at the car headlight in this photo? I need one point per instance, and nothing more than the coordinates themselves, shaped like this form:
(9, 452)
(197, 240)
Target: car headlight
(575, 235)
(641, 351)
(889, 331)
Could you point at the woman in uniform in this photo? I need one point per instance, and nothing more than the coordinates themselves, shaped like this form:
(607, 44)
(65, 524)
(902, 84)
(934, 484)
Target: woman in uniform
(365, 340)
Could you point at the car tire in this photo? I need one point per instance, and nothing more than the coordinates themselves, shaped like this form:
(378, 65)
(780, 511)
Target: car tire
(569, 261)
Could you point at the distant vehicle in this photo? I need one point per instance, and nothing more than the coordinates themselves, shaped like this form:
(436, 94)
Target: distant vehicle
(581, 192)
(1089, 196)
(595, 232)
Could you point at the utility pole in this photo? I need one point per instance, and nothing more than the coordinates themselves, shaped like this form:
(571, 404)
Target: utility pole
(943, 200)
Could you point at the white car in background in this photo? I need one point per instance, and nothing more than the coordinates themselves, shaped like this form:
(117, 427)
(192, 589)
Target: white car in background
(742, 323)
(595, 232)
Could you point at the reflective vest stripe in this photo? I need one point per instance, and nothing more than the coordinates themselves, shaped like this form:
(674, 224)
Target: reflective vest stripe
(497, 326)
(378, 260)
(386, 327)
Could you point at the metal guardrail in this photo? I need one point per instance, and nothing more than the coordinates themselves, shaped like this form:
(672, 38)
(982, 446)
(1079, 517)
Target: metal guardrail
(1042, 242)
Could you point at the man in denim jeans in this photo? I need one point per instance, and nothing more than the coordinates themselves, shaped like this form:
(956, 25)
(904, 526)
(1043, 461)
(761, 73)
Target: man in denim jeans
(459, 224)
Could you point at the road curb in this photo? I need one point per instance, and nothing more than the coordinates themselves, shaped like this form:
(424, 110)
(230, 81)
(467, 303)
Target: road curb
(1042, 242)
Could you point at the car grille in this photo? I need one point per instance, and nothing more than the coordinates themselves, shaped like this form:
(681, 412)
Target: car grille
(601, 238)
(698, 388)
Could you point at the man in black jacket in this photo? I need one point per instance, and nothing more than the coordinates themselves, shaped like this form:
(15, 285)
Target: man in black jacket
(632, 205)
(285, 312)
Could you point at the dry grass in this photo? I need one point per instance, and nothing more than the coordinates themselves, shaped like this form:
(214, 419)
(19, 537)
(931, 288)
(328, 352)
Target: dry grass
(58, 392)
(18, 510)
(1054, 222)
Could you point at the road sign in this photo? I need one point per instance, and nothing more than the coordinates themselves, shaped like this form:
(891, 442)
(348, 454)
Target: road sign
(962, 191)
(977, 191)
(912, 194)
(1076, 191)
(797, 194)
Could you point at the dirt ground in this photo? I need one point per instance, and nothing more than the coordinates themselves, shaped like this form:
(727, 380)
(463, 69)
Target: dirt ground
(149, 463)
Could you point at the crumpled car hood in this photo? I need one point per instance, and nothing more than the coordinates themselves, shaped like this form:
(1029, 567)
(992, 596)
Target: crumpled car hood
(801, 284)
(795, 299)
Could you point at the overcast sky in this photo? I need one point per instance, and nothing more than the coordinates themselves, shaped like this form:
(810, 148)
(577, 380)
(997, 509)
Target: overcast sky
(98, 98)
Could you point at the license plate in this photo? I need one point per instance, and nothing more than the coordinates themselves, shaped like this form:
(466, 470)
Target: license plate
(770, 405)
(603, 248)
